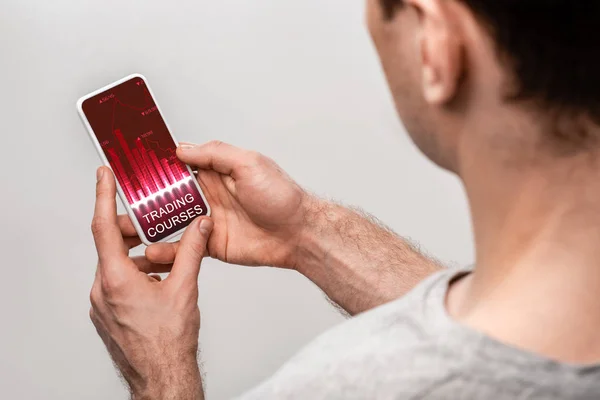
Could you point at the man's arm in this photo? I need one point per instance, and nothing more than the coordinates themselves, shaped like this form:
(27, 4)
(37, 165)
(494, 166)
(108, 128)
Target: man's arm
(180, 380)
(262, 217)
(357, 261)
(149, 326)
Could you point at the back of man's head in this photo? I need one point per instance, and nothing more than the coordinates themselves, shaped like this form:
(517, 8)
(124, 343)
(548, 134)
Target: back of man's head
(549, 51)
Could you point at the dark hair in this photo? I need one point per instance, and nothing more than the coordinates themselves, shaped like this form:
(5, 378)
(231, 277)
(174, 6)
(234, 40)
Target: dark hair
(551, 46)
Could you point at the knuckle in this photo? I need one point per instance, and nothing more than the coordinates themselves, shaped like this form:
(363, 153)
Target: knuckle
(98, 224)
(255, 158)
(95, 296)
(111, 286)
(215, 143)
(107, 287)
(196, 251)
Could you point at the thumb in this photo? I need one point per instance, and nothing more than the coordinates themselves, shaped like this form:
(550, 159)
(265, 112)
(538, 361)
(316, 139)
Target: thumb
(191, 252)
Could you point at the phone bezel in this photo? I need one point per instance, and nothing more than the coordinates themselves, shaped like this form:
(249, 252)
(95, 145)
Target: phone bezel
(104, 159)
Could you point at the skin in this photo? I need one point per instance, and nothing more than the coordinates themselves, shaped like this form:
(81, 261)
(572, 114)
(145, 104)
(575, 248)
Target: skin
(534, 198)
(533, 204)
(261, 217)
(150, 327)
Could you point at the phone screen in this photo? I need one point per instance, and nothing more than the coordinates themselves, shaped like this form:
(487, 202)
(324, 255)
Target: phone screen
(159, 188)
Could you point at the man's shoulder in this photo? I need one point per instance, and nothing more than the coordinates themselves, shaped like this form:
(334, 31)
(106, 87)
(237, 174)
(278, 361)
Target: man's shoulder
(411, 348)
(407, 316)
(370, 349)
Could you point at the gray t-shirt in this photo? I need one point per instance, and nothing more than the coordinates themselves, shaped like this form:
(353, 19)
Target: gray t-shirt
(412, 349)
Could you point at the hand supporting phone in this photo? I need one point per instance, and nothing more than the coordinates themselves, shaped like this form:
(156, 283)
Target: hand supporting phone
(161, 194)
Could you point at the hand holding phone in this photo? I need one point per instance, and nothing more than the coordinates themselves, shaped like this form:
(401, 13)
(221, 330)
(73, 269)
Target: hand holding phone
(261, 215)
(149, 326)
(160, 193)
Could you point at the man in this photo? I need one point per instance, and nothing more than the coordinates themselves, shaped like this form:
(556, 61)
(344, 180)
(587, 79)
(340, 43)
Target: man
(503, 93)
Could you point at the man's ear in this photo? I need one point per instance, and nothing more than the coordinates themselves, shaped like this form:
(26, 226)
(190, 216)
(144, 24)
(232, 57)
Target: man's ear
(440, 43)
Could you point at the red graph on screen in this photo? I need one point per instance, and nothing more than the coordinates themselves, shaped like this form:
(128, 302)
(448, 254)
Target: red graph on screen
(136, 141)
(151, 174)
(148, 173)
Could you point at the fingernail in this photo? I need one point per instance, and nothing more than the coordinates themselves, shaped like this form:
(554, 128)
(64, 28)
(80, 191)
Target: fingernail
(99, 174)
(206, 226)
(186, 146)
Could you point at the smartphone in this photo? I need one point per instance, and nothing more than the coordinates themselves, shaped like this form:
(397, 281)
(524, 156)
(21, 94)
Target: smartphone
(161, 193)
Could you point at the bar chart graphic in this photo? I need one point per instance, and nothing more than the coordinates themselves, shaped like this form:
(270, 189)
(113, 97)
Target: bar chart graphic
(144, 174)
(159, 188)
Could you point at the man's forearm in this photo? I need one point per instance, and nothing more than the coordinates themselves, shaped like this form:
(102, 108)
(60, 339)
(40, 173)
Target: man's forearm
(356, 261)
(179, 381)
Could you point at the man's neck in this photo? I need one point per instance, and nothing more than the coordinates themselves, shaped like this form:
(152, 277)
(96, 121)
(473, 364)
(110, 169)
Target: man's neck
(537, 231)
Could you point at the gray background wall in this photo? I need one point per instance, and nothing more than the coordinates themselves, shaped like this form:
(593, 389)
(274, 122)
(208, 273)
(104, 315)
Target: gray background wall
(295, 79)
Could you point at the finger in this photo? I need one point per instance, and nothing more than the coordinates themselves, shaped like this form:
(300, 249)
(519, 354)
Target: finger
(156, 278)
(148, 267)
(130, 235)
(105, 228)
(126, 226)
(211, 183)
(218, 156)
(190, 253)
(131, 242)
(162, 253)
